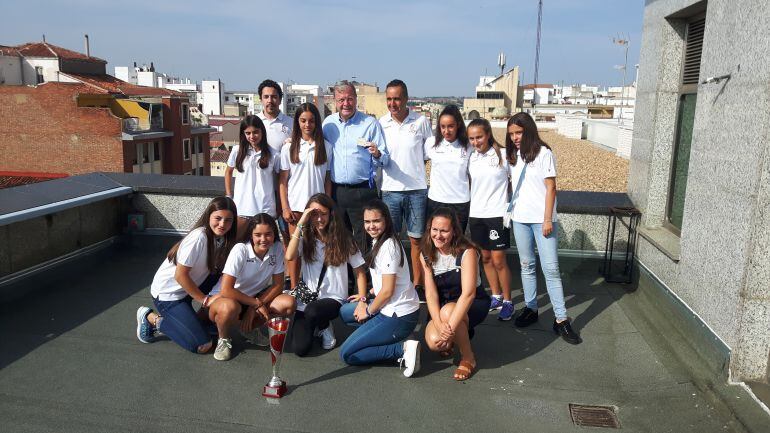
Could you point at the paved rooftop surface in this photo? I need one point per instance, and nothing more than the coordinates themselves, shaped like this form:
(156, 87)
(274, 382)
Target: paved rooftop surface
(70, 362)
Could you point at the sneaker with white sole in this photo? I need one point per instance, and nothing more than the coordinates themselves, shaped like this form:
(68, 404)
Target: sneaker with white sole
(327, 337)
(224, 347)
(496, 304)
(506, 312)
(145, 332)
(411, 358)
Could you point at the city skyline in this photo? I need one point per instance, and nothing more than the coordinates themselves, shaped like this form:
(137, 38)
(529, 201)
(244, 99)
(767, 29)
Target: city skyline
(405, 41)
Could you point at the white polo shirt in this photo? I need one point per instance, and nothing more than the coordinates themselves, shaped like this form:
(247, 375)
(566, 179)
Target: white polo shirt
(406, 169)
(489, 184)
(193, 253)
(335, 282)
(449, 182)
(530, 205)
(252, 274)
(278, 130)
(254, 190)
(404, 300)
(305, 178)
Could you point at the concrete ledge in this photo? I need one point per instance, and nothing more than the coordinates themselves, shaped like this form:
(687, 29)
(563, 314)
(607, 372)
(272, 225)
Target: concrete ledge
(662, 239)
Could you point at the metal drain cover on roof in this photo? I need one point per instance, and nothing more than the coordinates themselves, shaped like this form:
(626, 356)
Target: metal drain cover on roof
(594, 416)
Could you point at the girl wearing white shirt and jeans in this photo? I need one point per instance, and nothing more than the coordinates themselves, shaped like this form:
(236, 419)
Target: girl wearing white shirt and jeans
(257, 168)
(177, 280)
(449, 152)
(251, 285)
(305, 165)
(534, 218)
(385, 322)
(326, 247)
(489, 197)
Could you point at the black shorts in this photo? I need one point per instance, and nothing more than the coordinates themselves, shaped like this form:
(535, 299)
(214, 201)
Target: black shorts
(489, 233)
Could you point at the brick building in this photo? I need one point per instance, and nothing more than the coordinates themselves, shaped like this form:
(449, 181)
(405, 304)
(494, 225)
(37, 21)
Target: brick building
(61, 113)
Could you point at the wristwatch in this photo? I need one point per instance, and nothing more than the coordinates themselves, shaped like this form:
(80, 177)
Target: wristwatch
(362, 299)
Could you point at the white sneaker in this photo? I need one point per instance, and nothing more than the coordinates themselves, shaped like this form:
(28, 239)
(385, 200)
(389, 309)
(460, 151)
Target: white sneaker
(222, 352)
(411, 359)
(327, 338)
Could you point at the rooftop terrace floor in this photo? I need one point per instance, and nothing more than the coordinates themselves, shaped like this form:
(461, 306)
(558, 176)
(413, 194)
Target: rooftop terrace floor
(70, 362)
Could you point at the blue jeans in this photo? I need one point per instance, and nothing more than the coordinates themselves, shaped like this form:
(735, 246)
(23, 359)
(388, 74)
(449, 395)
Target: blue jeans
(379, 338)
(527, 235)
(180, 323)
(409, 206)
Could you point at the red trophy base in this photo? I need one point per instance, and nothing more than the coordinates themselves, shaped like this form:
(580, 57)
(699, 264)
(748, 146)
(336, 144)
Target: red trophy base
(273, 391)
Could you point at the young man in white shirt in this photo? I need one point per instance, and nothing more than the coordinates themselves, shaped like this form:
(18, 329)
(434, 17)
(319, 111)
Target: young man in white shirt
(277, 124)
(404, 187)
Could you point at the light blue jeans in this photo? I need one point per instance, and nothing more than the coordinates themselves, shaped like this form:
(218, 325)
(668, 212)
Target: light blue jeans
(379, 338)
(527, 236)
(407, 206)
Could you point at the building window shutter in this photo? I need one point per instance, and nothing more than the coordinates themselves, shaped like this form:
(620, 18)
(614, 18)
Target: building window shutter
(692, 51)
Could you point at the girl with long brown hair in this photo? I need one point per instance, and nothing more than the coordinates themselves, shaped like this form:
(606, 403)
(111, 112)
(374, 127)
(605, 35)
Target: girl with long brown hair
(326, 247)
(305, 165)
(178, 279)
(257, 169)
(488, 170)
(385, 322)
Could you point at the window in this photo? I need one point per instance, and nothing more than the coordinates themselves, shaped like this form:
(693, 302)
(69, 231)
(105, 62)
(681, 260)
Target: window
(157, 150)
(199, 144)
(186, 148)
(145, 153)
(185, 114)
(688, 90)
(39, 74)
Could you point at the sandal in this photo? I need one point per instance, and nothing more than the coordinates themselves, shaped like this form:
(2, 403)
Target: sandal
(464, 371)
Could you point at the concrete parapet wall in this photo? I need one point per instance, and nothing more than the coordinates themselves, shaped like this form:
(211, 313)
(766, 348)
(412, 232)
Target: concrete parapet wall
(570, 126)
(30, 242)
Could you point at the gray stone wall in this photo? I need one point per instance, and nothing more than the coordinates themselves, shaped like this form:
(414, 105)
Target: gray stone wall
(723, 272)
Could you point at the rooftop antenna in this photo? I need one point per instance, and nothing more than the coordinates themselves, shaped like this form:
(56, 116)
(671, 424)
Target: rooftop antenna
(537, 44)
(501, 62)
(43, 37)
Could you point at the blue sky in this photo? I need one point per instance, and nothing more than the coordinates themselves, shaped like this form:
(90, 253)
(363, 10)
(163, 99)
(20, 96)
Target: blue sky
(439, 48)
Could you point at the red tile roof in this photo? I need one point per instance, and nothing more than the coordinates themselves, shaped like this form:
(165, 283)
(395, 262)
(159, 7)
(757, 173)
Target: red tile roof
(220, 155)
(110, 84)
(11, 179)
(9, 51)
(44, 49)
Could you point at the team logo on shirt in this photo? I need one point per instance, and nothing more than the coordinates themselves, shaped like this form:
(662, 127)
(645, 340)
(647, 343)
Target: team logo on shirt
(413, 128)
(271, 261)
(493, 235)
(284, 129)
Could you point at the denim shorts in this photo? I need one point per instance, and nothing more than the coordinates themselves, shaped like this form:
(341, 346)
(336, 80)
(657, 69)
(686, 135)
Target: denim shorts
(409, 206)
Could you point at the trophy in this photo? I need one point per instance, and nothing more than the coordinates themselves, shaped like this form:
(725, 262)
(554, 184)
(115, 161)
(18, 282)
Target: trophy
(277, 327)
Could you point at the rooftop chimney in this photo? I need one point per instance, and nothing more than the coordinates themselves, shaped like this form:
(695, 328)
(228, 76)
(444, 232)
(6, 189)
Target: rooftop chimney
(88, 48)
(43, 38)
